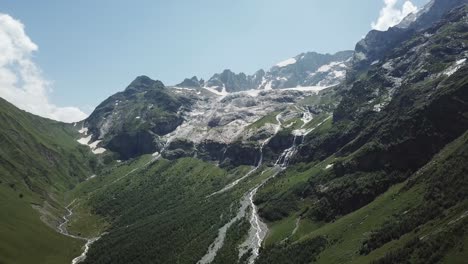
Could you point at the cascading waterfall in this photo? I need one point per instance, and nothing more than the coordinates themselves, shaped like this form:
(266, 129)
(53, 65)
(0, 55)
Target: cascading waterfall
(258, 229)
(284, 158)
(234, 183)
(245, 202)
(259, 163)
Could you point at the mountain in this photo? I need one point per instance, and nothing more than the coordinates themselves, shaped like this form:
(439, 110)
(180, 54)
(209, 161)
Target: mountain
(148, 117)
(397, 126)
(356, 157)
(306, 69)
(130, 122)
(377, 43)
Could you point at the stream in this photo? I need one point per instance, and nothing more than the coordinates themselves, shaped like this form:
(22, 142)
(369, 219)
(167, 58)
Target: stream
(245, 202)
(62, 228)
(258, 229)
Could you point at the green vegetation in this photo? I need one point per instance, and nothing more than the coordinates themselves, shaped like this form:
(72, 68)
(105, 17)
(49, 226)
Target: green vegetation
(229, 253)
(25, 238)
(303, 252)
(39, 160)
(155, 207)
(268, 119)
(281, 230)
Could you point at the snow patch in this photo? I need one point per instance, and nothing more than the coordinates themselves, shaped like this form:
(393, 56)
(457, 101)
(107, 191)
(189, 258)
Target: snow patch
(339, 74)
(268, 86)
(461, 61)
(286, 62)
(85, 140)
(92, 145)
(308, 88)
(328, 67)
(253, 93)
(378, 107)
(452, 69)
(306, 118)
(98, 150)
(388, 66)
(360, 56)
(213, 90)
(83, 130)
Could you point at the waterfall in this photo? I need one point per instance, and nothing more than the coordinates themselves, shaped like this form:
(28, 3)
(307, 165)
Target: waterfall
(259, 163)
(258, 229)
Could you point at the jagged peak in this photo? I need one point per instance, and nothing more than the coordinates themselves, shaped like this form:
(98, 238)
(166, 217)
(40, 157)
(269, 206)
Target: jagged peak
(144, 82)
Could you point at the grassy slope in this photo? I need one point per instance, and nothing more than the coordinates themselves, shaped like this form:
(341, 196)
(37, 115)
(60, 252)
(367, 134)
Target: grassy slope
(26, 239)
(39, 160)
(346, 235)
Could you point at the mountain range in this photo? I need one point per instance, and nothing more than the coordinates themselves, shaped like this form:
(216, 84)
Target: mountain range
(303, 70)
(354, 157)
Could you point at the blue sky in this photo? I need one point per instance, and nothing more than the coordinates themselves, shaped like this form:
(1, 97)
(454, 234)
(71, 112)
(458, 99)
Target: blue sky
(91, 49)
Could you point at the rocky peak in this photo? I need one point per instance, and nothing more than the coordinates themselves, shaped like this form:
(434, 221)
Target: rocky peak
(130, 123)
(142, 83)
(308, 69)
(228, 81)
(191, 83)
(305, 69)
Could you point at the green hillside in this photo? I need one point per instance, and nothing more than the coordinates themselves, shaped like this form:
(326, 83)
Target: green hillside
(39, 160)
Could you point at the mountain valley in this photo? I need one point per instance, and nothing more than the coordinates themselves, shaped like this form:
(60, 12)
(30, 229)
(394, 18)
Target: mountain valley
(354, 157)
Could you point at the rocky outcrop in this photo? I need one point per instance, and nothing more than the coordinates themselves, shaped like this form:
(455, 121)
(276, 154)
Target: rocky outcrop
(228, 81)
(131, 122)
(376, 45)
(132, 144)
(191, 83)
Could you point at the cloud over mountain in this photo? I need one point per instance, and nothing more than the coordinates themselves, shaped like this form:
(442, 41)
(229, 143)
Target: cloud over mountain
(391, 15)
(21, 81)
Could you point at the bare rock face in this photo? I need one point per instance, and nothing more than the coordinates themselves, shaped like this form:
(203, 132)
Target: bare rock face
(377, 44)
(305, 69)
(227, 109)
(194, 122)
(130, 123)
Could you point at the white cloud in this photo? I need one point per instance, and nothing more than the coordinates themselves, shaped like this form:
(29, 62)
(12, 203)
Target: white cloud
(391, 15)
(21, 81)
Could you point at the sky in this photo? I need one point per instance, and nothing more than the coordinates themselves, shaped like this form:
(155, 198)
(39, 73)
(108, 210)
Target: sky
(60, 59)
